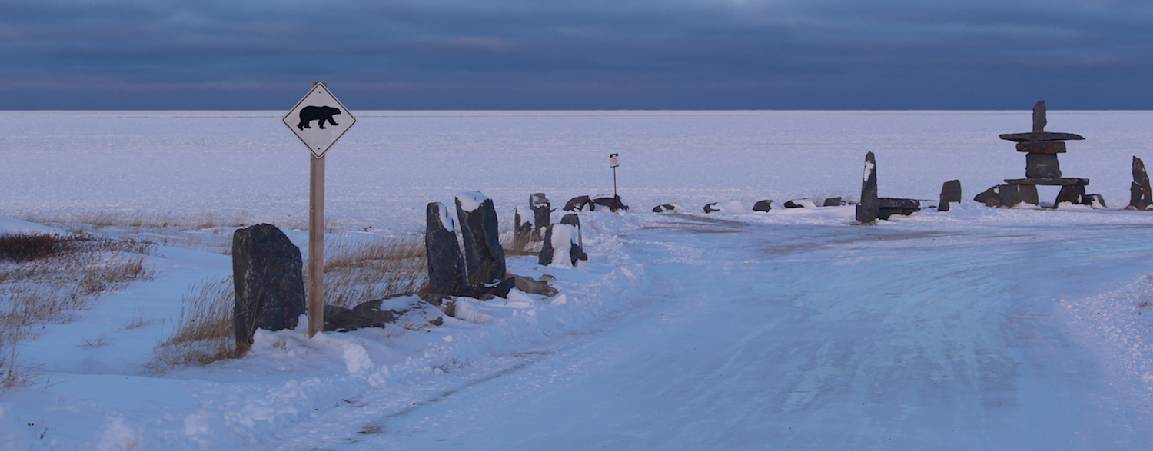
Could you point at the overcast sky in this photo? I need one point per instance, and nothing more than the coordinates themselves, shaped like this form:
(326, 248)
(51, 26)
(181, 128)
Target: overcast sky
(578, 54)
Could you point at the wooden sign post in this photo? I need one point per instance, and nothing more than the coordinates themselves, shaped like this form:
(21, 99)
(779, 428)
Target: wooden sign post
(316, 245)
(314, 121)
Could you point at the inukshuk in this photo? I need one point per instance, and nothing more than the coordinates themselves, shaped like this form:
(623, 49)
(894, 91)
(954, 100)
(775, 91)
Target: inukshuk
(1041, 165)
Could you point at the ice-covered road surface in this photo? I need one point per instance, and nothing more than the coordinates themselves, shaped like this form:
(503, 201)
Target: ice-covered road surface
(818, 337)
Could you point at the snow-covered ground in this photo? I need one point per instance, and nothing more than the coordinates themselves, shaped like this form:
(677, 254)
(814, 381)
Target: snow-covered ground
(973, 329)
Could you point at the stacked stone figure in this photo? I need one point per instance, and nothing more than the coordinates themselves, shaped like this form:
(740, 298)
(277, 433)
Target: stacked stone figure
(1041, 166)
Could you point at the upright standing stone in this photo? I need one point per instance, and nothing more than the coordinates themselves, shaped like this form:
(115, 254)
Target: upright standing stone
(867, 208)
(950, 192)
(269, 282)
(446, 271)
(563, 241)
(1140, 193)
(541, 208)
(483, 255)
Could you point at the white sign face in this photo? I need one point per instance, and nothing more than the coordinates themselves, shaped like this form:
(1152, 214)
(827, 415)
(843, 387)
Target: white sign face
(319, 119)
(614, 160)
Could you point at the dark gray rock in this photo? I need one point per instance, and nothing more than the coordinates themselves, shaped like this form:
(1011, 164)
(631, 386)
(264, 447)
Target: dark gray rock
(528, 285)
(572, 219)
(1049, 181)
(889, 206)
(867, 208)
(797, 203)
(833, 202)
(1053, 147)
(578, 250)
(989, 197)
(269, 282)
(1074, 194)
(710, 207)
(1010, 196)
(368, 314)
(1140, 192)
(446, 269)
(1094, 200)
(950, 192)
(1039, 120)
(1039, 137)
(1042, 166)
(611, 203)
(518, 227)
(556, 237)
(541, 209)
(763, 205)
(663, 208)
(579, 203)
(483, 255)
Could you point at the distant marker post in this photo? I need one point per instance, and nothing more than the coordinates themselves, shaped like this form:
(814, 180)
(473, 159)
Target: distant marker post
(319, 120)
(614, 162)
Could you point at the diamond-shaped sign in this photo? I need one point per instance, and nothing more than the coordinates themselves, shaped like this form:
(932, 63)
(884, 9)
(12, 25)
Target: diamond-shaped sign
(319, 119)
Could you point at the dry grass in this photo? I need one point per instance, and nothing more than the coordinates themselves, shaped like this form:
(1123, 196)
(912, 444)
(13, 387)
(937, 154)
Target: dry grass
(144, 220)
(521, 244)
(44, 278)
(357, 272)
(204, 334)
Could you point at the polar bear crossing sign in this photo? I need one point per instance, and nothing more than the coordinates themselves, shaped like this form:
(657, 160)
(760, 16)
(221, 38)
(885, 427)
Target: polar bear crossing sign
(319, 119)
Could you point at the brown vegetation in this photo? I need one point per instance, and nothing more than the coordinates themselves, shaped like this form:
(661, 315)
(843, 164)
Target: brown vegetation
(43, 278)
(204, 333)
(358, 272)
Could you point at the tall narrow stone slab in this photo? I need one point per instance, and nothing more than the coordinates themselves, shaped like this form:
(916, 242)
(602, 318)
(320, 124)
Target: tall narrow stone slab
(1140, 192)
(867, 208)
(950, 193)
(541, 208)
(483, 254)
(269, 282)
(446, 270)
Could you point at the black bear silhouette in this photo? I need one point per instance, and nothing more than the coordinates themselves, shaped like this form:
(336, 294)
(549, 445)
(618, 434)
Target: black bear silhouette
(321, 114)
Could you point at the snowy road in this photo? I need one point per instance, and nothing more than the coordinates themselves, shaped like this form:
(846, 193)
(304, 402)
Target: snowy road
(760, 336)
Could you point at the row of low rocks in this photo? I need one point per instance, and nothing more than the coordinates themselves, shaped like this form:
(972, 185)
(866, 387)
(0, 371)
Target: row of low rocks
(465, 259)
(758, 206)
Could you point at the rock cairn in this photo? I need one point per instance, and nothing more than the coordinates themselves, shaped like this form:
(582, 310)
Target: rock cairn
(1041, 166)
